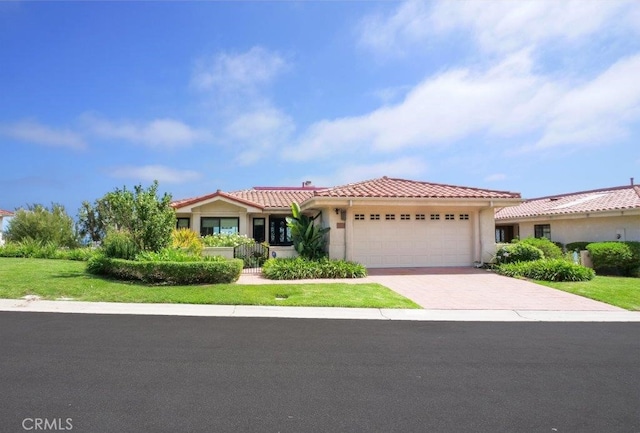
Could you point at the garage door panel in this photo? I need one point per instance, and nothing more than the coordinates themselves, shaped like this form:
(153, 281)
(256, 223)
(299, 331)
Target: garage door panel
(405, 243)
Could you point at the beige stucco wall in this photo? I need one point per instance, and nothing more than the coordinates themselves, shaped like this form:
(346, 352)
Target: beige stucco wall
(587, 229)
(487, 237)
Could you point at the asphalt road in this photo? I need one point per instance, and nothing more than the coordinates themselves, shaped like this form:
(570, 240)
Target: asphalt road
(85, 373)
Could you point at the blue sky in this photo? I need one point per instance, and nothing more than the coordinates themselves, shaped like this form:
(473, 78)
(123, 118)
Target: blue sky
(533, 97)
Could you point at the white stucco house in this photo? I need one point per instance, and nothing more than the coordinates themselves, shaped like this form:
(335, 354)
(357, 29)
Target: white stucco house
(383, 222)
(606, 214)
(3, 214)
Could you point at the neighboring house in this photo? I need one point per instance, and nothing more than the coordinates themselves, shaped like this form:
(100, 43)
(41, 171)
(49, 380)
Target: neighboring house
(383, 222)
(3, 213)
(606, 214)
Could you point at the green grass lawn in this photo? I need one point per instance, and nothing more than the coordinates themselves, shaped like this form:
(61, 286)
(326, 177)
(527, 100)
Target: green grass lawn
(618, 291)
(54, 279)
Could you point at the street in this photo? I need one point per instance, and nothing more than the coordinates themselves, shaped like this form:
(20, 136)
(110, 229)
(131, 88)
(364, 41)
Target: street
(125, 373)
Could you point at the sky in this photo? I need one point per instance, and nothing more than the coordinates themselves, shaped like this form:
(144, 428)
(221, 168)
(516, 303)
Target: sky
(537, 97)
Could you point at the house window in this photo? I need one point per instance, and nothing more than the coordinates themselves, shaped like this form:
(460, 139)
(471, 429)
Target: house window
(390, 216)
(183, 223)
(374, 216)
(279, 233)
(218, 225)
(435, 216)
(542, 231)
(259, 234)
(449, 217)
(405, 216)
(464, 216)
(420, 216)
(360, 217)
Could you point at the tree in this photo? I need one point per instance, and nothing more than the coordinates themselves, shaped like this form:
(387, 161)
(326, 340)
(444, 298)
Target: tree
(308, 237)
(44, 225)
(148, 218)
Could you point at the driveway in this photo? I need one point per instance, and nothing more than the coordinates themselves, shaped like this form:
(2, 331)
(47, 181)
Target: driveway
(465, 289)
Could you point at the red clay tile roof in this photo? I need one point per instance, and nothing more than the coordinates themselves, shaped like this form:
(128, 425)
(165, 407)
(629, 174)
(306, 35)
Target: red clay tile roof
(386, 187)
(600, 200)
(5, 213)
(260, 197)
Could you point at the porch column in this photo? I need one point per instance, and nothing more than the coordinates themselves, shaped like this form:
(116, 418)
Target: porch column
(195, 222)
(348, 234)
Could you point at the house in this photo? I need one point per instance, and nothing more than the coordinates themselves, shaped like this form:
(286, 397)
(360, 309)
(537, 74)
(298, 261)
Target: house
(606, 214)
(3, 213)
(383, 222)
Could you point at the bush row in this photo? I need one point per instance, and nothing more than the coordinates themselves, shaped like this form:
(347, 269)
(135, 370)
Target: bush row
(547, 270)
(615, 258)
(33, 249)
(213, 271)
(299, 268)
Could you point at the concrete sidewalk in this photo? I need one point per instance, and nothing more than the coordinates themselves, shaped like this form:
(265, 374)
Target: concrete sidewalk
(75, 307)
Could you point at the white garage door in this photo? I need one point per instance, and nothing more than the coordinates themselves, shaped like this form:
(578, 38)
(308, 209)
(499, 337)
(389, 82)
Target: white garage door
(412, 240)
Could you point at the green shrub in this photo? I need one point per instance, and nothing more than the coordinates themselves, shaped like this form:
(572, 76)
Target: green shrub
(550, 249)
(188, 240)
(119, 244)
(213, 271)
(301, 268)
(577, 246)
(633, 269)
(226, 240)
(30, 248)
(612, 258)
(547, 270)
(173, 255)
(518, 252)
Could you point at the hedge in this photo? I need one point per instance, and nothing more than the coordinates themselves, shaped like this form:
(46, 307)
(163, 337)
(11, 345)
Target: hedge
(300, 268)
(547, 270)
(550, 249)
(174, 273)
(615, 258)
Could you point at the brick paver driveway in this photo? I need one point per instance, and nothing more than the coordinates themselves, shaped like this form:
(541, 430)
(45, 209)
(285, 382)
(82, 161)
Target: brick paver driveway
(477, 289)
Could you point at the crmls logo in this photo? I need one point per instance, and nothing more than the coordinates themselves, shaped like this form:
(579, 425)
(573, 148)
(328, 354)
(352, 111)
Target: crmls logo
(46, 424)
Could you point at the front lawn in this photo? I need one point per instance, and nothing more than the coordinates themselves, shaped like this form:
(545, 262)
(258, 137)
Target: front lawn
(55, 279)
(619, 291)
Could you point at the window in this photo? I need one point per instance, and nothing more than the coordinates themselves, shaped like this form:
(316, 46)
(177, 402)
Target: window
(449, 217)
(435, 216)
(360, 217)
(420, 216)
(279, 233)
(464, 216)
(217, 225)
(259, 234)
(390, 216)
(374, 216)
(405, 216)
(183, 223)
(542, 231)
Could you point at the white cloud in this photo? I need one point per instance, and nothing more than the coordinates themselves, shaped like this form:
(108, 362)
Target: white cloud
(496, 26)
(505, 102)
(233, 72)
(154, 172)
(496, 177)
(404, 167)
(257, 132)
(34, 132)
(158, 133)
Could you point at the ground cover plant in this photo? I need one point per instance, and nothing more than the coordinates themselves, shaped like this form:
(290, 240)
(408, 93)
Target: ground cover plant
(301, 268)
(547, 270)
(54, 279)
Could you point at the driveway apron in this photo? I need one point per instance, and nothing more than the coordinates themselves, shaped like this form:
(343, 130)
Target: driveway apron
(477, 289)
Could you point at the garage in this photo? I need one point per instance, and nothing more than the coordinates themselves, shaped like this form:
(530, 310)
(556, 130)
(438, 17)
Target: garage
(412, 239)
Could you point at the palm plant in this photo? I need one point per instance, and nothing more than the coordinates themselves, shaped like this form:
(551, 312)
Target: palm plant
(308, 237)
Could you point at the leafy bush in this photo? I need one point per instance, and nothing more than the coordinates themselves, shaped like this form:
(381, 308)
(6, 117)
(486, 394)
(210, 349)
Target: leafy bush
(173, 255)
(188, 240)
(226, 240)
(30, 248)
(301, 268)
(577, 246)
(308, 237)
(518, 252)
(612, 258)
(547, 270)
(43, 225)
(119, 244)
(213, 271)
(550, 249)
